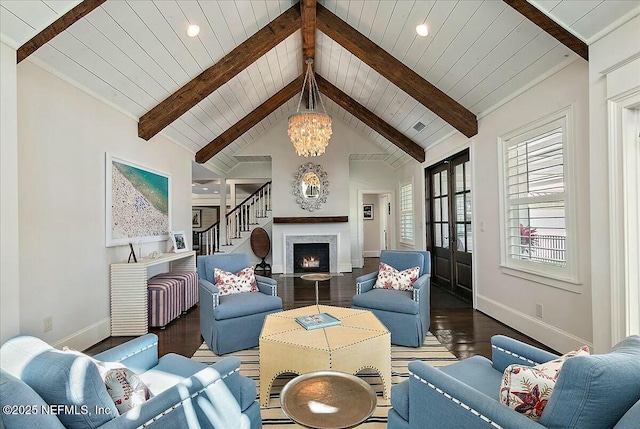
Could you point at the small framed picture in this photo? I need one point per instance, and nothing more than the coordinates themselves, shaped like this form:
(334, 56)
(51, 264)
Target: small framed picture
(367, 211)
(179, 242)
(196, 218)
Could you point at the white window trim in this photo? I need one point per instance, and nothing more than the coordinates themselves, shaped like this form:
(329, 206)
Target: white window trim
(624, 210)
(413, 210)
(565, 278)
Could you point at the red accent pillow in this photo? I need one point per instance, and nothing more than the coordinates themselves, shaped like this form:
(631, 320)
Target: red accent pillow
(390, 278)
(240, 282)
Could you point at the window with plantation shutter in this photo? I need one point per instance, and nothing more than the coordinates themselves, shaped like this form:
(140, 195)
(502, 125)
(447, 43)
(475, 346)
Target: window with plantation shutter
(536, 202)
(406, 213)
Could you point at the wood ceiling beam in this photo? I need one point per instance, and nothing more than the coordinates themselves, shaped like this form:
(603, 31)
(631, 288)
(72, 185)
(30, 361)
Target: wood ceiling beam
(249, 121)
(308, 18)
(58, 26)
(550, 26)
(245, 54)
(396, 72)
(359, 111)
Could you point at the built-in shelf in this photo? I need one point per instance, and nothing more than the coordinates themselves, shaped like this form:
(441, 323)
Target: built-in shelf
(311, 219)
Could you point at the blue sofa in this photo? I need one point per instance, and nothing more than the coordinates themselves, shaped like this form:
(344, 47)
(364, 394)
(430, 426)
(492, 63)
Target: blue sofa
(187, 394)
(591, 392)
(406, 314)
(230, 323)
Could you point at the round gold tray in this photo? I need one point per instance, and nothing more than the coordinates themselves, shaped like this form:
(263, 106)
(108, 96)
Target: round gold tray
(328, 400)
(318, 277)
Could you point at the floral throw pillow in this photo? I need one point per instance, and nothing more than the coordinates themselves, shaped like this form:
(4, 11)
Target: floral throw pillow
(240, 282)
(124, 386)
(390, 278)
(527, 389)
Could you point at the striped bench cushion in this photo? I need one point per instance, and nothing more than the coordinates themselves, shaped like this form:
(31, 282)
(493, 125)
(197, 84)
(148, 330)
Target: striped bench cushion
(188, 283)
(165, 301)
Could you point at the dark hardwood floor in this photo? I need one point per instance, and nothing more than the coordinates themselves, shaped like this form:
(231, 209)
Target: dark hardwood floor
(464, 331)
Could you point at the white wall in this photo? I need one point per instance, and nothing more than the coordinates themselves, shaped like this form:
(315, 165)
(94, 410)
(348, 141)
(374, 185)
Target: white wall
(606, 56)
(567, 321)
(371, 228)
(63, 136)
(341, 200)
(10, 243)
(412, 172)
(368, 177)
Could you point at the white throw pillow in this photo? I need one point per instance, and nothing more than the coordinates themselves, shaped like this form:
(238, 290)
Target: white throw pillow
(527, 389)
(240, 282)
(124, 386)
(390, 278)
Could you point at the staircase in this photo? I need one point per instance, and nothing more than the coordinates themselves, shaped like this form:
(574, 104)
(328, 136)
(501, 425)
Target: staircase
(253, 212)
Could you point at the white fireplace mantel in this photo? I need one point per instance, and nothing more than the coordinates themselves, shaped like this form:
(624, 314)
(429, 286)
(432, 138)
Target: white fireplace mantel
(335, 234)
(331, 240)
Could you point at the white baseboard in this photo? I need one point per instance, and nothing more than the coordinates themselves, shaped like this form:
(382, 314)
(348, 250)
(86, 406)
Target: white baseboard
(345, 267)
(371, 253)
(87, 337)
(277, 269)
(537, 329)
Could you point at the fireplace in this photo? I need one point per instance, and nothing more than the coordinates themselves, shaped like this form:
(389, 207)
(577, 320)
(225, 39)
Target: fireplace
(311, 257)
(295, 239)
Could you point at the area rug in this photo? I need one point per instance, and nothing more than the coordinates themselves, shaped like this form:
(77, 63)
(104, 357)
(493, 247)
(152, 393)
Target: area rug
(431, 352)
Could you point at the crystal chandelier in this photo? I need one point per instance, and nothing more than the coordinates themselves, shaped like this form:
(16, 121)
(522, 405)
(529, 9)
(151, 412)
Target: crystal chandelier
(310, 130)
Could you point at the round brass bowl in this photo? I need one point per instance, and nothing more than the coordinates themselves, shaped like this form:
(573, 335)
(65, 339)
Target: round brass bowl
(328, 400)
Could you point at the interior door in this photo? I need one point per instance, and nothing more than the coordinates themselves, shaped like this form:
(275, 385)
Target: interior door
(449, 234)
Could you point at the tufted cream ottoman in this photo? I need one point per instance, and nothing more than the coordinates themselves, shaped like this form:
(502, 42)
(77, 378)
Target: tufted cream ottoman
(359, 342)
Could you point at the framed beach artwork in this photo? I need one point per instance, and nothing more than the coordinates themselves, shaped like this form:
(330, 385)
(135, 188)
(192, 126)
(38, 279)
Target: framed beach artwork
(138, 203)
(179, 242)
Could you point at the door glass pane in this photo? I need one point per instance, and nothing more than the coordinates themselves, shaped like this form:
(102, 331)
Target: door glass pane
(438, 231)
(445, 209)
(468, 206)
(469, 239)
(436, 185)
(460, 238)
(460, 208)
(459, 178)
(445, 235)
(437, 210)
(445, 185)
(467, 175)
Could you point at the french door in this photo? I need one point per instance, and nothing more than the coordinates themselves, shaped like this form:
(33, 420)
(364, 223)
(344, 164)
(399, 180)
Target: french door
(449, 236)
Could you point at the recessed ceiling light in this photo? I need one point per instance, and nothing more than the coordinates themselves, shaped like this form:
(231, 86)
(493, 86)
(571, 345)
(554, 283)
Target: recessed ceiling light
(422, 30)
(205, 189)
(193, 184)
(193, 30)
(216, 192)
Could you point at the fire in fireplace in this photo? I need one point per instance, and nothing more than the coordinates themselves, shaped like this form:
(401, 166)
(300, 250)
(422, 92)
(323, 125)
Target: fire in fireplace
(311, 257)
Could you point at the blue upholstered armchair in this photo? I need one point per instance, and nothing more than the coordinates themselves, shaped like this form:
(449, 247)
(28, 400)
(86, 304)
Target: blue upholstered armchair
(230, 323)
(591, 392)
(406, 314)
(41, 387)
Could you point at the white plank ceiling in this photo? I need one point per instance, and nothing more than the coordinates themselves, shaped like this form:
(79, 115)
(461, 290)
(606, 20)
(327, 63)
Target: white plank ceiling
(135, 53)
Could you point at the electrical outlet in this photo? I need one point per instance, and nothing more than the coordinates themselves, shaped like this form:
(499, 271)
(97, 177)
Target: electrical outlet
(539, 310)
(48, 323)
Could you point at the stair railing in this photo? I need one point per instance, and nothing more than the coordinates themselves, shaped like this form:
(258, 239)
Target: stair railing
(239, 220)
(247, 213)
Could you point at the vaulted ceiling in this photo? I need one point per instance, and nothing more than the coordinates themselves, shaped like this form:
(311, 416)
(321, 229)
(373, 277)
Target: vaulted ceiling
(217, 92)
